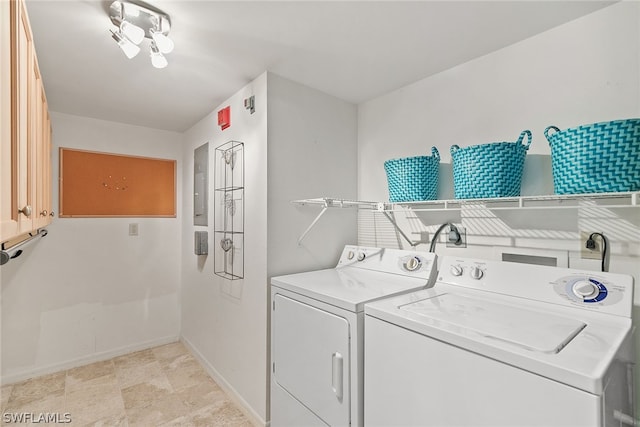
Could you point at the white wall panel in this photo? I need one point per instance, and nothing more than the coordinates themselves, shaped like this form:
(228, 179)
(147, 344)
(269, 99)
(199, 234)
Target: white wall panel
(312, 153)
(89, 291)
(299, 143)
(582, 72)
(224, 321)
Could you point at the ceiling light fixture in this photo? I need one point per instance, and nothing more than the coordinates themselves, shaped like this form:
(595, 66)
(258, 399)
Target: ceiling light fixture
(128, 47)
(164, 43)
(133, 32)
(157, 59)
(136, 21)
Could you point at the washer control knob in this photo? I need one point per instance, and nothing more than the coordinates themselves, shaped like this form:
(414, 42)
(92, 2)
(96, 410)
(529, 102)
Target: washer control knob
(585, 289)
(350, 255)
(361, 256)
(476, 273)
(456, 270)
(413, 263)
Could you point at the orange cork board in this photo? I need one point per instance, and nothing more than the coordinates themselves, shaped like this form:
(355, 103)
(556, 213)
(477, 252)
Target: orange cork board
(113, 185)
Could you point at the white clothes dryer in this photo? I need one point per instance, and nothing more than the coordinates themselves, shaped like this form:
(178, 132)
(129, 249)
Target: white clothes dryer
(502, 344)
(317, 325)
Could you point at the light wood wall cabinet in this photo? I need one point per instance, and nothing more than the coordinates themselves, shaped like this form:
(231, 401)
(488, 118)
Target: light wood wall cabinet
(25, 128)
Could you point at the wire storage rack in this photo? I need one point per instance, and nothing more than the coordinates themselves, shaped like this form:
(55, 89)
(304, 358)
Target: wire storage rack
(229, 210)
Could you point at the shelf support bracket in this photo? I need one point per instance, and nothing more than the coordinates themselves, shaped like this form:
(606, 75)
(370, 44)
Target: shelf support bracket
(303, 235)
(395, 225)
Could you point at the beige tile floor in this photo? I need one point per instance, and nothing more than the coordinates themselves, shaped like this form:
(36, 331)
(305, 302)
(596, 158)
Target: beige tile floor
(162, 386)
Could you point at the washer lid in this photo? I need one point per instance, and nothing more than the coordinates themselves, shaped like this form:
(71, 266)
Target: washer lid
(531, 330)
(516, 331)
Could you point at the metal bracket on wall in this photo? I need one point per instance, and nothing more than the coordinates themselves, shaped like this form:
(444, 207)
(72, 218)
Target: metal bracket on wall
(385, 208)
(304, 234)
(327, 203)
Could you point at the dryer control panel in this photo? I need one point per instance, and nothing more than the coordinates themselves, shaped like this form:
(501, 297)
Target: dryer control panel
(598, 291)
(385, 260)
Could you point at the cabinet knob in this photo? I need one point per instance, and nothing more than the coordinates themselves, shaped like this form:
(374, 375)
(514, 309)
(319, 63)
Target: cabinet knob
(26, 211)
(52, 213)
(44, 213)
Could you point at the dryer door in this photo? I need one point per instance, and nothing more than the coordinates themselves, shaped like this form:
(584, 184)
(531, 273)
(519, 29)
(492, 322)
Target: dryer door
(311, 358)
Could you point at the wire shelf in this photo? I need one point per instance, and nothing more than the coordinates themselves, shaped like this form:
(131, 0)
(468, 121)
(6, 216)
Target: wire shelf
(554, 201)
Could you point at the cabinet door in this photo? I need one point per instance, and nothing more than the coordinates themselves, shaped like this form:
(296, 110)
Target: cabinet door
(40, 131)
(47, 161)
(17, 201)
(25, 138)
(311, 358)
(25, 182)
(8, 217)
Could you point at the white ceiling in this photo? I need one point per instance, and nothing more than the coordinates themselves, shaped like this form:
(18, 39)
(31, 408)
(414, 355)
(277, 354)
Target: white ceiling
(354, 50)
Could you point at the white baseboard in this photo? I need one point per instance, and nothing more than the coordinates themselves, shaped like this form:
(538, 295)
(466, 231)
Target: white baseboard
(246, 409)
(15, 377)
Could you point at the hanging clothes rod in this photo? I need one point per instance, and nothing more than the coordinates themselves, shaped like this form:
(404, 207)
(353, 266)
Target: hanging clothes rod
(16, 250)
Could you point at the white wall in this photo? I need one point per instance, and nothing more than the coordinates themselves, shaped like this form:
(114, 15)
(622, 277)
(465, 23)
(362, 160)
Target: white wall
(312, 153)
(224, 321)
(299, 143)
(88, 291)
(582, 72)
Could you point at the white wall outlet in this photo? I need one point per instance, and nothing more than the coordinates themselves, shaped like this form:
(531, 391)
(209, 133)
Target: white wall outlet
(133, 229)
(596, 252)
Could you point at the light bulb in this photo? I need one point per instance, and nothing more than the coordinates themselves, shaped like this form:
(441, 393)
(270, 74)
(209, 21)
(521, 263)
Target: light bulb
(132, 31)
(127, 46)
(157, 59)
(164, 43)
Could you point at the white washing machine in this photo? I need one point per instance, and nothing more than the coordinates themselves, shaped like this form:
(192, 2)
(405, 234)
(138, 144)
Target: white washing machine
(317, 325)
(502, 344)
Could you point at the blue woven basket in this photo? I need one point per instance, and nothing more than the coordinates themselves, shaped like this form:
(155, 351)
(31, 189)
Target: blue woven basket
(489, 170)
(413, 178)
(597, 158)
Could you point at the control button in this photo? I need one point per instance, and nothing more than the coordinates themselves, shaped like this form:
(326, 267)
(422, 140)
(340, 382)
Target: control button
(456, 270)
(413, 263)
(476, 273)
(585, 289)
(361, 256)
(350, 255)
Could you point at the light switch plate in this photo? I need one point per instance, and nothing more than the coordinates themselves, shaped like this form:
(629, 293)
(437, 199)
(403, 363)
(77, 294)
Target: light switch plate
(133, 229)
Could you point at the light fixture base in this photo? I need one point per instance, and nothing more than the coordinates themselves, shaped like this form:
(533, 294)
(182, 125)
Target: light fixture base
(141, 15)
(134, 19)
